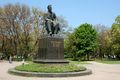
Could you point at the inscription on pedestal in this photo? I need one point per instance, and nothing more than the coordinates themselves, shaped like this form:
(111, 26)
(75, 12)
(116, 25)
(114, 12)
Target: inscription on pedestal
(56, 43)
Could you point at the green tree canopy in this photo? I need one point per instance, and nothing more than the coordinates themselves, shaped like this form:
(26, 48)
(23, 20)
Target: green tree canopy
(82, 41)
(116, 37)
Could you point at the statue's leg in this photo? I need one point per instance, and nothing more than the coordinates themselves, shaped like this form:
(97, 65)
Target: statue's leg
(49, 26)
(53, 29)
(46, 27)
(47, 30)
(57, 29)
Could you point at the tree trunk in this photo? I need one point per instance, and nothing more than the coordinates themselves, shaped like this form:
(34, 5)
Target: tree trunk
(88, 56)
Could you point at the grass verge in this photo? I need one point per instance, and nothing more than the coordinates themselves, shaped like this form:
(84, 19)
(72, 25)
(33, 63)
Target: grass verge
(79, 62)
(108, 61)
(48, 68)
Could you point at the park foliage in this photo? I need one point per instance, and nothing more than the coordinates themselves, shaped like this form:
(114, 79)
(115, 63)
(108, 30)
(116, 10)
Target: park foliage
(21, 26)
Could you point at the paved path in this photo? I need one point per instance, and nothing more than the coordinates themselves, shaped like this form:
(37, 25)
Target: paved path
(100, 72)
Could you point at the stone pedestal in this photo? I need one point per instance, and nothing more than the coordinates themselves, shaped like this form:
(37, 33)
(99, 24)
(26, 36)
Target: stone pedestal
(51, 50)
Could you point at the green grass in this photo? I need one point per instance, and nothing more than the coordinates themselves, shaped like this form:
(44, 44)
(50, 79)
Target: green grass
(77, 62)
(48, 68)
(108, 61)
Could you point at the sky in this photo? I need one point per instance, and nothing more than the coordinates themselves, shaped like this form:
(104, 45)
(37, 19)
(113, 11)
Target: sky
(77, 12)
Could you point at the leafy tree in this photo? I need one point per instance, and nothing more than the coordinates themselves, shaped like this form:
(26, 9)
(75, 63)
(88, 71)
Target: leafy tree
(116, 37)
(85, 37)
(70, 47)
(103, 40)
(82, 42)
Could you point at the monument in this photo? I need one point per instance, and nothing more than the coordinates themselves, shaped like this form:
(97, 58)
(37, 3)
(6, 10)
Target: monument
(50, 51)
(50, 46)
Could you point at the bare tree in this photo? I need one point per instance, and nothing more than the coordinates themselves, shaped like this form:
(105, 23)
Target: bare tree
(16, 20)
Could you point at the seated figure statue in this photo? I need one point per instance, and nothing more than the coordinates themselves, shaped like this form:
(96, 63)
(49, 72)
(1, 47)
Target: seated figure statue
(51, 23)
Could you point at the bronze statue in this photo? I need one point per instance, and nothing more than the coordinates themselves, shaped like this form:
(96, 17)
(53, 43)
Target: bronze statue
(51, 46)
(51, 23)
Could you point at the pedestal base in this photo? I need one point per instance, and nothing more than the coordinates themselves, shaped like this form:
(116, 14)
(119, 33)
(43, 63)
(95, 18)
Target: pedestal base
(51, 61)
(51, 50)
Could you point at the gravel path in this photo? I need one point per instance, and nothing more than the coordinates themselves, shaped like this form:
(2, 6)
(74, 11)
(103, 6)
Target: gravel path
(100, 72)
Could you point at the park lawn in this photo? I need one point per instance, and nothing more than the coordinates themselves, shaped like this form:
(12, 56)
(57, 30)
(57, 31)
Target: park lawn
(79, 62)
(47, 68)
(108, 61)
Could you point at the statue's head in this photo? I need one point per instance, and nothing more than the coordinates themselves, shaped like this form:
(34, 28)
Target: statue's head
(49, 7)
